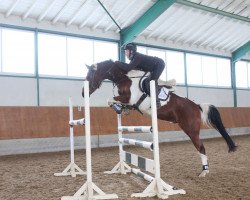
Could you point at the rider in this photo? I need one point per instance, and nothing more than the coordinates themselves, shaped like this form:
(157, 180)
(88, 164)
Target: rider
(142, 62)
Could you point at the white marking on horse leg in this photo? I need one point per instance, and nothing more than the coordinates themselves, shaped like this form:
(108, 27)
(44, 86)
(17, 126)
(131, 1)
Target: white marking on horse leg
(203, 159)
(204, 162)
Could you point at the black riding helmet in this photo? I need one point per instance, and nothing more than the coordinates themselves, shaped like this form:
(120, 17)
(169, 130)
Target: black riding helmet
(130, 46)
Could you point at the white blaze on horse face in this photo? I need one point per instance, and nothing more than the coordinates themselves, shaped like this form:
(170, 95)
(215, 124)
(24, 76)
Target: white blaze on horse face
(94, 66)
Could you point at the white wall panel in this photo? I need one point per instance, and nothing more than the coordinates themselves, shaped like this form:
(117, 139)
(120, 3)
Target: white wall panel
(18, 91)
(56, 93)
(243, 98)
(217, 97)
(181, 91)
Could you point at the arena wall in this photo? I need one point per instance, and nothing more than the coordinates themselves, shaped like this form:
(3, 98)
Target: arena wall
(46, 122)
(42, 91)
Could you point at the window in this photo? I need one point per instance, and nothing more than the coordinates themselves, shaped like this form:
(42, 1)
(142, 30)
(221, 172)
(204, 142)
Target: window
(224, 72)
(175, 66)
(194, 71)
(51, 54)
(242, 70)
(67, 56)
(105, 51)
(174, 63)
(80, 52)
(17, 51)
(208, 71)
(142, 50)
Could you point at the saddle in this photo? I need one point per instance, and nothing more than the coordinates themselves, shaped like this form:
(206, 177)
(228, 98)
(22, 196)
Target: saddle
(162, 90)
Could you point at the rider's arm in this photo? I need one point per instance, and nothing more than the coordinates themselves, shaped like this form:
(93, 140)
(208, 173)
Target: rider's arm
(122, 65)
(132, 65)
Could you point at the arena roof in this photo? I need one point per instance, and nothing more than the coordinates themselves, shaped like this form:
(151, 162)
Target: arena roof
(220, 27)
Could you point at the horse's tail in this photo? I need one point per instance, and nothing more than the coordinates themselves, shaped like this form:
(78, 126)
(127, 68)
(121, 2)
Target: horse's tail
(211, 117)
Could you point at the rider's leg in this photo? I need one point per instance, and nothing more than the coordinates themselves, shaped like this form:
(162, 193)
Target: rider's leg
(155, 76)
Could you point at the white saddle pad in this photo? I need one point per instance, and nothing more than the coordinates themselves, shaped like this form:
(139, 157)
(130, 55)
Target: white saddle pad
(163, 95)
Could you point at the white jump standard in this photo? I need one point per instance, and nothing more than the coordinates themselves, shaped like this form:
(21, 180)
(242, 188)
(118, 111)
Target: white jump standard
(89, 191)
(72, 169)
(157, 186)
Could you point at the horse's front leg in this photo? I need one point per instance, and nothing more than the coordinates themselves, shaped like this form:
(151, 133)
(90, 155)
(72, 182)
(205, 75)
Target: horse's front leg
(123, 99)
(124, 93)
(118, 100)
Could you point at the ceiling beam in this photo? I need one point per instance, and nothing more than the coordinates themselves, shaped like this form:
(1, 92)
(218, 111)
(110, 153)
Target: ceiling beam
(45, 12)
(26, 14)
(129, 33)
(124, 10)
(61, 12)
(105, 9)
(13, 6)
(240, 52)
(77, 13)
(213, 10)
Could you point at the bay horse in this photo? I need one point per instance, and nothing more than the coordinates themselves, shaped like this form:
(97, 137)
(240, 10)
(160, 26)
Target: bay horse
(187, 114)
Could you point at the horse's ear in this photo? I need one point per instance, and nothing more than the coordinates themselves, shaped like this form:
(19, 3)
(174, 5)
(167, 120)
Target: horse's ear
(89, 67)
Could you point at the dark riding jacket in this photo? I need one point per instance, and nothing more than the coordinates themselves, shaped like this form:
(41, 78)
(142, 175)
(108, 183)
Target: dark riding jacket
(145, 63)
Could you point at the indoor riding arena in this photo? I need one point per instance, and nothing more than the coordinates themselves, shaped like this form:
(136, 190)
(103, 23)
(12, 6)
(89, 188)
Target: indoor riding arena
(113, 99)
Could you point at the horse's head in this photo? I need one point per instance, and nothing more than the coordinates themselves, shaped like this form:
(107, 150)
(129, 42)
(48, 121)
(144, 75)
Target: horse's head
(97, 73)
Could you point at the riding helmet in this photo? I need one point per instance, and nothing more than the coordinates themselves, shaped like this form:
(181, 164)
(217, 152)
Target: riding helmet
(130, 46)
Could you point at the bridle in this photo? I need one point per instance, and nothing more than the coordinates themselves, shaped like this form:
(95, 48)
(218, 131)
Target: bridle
(94, 85)
(116, 78)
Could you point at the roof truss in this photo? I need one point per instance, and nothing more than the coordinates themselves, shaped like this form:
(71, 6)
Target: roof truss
(128, 34)
(240, 52)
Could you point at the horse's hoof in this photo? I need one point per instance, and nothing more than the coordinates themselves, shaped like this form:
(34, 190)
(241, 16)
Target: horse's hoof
(204, 173)
(110, 102)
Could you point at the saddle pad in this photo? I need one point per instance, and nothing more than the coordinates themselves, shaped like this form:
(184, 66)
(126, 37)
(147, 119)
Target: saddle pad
(163, 94)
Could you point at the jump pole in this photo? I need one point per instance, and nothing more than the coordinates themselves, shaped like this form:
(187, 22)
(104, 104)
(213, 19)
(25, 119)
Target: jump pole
(89, 190)
(72, 169)
(157, 187)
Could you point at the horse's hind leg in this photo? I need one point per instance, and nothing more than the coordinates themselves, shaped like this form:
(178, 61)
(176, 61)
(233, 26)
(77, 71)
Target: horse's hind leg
(202, 153)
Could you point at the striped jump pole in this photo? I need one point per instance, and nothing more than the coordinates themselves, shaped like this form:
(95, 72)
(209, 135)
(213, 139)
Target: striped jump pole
(139, 143)
(157, 186)
(77, 122)
(72, 169)
(89, 190)
(136, 129)
(139, 161)
(142, 174)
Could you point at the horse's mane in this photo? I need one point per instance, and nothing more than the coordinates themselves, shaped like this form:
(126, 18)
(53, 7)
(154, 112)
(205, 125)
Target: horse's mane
(105, 64)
